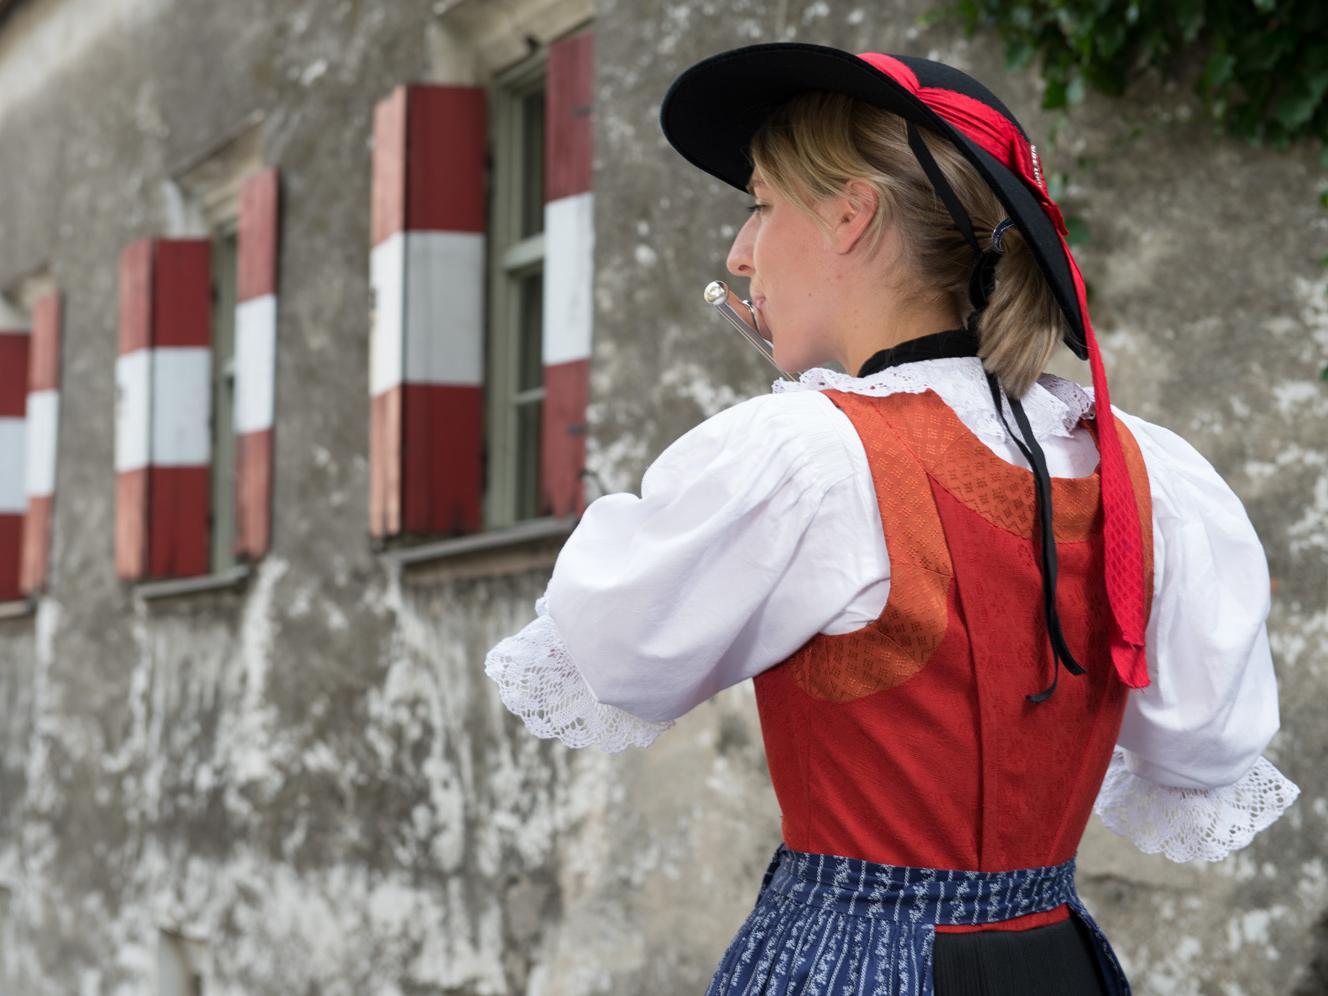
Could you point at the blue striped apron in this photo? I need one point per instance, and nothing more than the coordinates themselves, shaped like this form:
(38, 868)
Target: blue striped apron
(826, 925)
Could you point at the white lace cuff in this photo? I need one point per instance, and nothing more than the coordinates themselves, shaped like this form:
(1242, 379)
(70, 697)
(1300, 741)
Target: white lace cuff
(1189, 823)
(539, 683)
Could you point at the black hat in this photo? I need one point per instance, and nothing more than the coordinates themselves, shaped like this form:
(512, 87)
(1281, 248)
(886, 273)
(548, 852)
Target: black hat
(712, 111)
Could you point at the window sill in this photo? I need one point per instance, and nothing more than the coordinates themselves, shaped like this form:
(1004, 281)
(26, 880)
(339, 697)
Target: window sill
(525, 546)
(19, 608)
(153, 591)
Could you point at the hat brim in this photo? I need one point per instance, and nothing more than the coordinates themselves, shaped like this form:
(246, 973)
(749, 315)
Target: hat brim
(712, 111)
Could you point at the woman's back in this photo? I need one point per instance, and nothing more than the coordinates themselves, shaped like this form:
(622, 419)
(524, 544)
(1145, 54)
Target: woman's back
(911, 741)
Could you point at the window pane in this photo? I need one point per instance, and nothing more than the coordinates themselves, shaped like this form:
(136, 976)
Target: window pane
(532, 168)
(530, 332)
(528, 418)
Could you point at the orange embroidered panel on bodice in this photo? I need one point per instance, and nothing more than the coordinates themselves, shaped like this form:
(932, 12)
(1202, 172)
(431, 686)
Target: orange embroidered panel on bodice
(910, 438)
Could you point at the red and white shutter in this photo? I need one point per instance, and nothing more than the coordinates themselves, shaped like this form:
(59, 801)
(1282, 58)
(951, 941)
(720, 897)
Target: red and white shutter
(426, 355)
(163, 408)
(255, 361)
(569, 246)
(13, 433)
(43, 416)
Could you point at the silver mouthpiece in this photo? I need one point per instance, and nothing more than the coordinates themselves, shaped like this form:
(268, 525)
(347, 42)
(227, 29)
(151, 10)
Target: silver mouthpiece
(742, 316)
(716, 291)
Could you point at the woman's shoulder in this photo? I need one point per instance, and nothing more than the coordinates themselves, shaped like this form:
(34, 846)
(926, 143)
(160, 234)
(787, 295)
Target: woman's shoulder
(1185, 485)
(795, 432)
(772, 420)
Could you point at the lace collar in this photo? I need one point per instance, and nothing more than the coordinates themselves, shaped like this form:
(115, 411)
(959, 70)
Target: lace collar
(1054, 405)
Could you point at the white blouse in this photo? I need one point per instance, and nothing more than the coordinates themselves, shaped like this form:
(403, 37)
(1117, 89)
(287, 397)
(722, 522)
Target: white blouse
(760, 528)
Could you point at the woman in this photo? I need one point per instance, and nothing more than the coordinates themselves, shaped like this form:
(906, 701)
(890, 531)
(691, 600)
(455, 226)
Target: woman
(900, 556)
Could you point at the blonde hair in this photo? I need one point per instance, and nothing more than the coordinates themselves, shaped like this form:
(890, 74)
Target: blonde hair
(809, 148)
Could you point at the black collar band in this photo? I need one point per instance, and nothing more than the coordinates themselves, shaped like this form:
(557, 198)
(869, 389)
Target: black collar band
(936, 346)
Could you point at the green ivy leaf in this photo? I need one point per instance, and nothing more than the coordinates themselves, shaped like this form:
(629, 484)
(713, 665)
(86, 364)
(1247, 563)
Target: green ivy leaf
(1018, 54)
(1266, 48)
(1217, 70)
(1323, 374)
(1110, 37)
(1054, 95)
(1021, 16)
(1323, 199)
(1190, 18)
(1294, 108)
(1263, 78)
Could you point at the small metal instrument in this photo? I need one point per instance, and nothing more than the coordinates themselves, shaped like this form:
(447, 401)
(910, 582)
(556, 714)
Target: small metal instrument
(740, 313)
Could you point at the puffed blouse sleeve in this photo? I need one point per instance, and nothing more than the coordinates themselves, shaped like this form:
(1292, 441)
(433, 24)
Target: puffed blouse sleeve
(746, 541)
(1188, 777)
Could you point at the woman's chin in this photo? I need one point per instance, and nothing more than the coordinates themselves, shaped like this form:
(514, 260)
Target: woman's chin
(788, 358)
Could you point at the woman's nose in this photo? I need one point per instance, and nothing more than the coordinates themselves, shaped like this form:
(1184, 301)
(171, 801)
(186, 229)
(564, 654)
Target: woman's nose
(739, 262)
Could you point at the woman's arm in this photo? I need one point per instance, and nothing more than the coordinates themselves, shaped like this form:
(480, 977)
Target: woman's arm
(751, 534)
(1188, 777)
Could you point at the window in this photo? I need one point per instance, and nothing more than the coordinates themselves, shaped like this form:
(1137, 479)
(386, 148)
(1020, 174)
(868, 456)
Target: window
(516, 296)
(194, 410)
(480, 265)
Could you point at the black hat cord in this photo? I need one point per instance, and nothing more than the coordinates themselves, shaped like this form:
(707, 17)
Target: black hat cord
(980, 286)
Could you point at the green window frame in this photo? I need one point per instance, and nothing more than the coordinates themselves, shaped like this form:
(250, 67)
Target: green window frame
(515, 374)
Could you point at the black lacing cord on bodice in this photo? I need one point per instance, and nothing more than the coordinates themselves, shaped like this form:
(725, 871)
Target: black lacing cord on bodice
(964, 342)
(1032, 451)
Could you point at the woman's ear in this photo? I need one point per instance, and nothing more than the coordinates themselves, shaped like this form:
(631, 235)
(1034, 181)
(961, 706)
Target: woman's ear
(853, 212)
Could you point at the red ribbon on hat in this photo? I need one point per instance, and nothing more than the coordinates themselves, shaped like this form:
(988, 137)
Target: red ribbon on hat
(1122, 538)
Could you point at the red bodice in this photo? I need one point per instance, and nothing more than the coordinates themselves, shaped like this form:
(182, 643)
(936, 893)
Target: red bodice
(910, 742)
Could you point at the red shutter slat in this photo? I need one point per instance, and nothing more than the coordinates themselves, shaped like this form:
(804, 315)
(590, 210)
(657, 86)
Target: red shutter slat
(131, 484)
(256, 236)
(568, 274)
(44, 406)
(427, 346)
(163, 450)
(13, 398)
(257, 250)
(568, 102)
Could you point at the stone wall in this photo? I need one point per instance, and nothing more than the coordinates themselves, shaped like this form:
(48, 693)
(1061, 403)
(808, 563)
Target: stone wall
(310, 775)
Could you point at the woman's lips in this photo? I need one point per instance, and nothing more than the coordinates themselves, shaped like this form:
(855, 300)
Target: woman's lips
(757, 303)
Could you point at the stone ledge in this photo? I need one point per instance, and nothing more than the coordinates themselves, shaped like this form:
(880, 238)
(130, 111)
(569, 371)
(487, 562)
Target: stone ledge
(19, 608)
(525, 546)
(152, 591)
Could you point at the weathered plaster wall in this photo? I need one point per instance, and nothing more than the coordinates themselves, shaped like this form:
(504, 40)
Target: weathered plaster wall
(312, 774)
